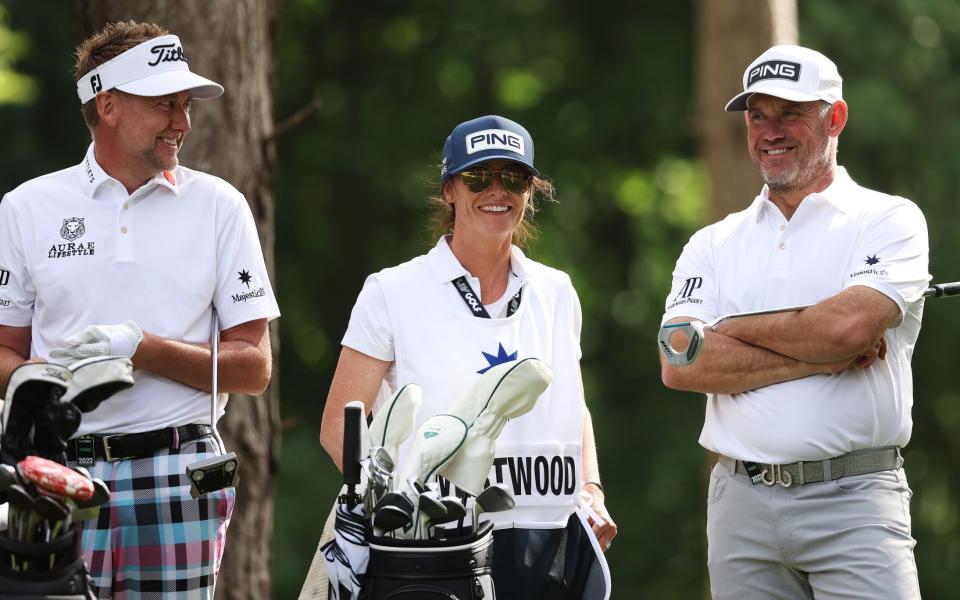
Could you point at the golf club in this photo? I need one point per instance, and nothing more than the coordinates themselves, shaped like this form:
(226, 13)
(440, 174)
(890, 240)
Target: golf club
(429, 510)
(696, 330)
(455, 512)
(495, 498)
(217, 472)
(389, 518)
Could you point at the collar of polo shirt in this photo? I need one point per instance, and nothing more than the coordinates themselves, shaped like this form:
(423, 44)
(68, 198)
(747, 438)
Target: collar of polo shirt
(443, 265)
(838, 193)
(156, 67)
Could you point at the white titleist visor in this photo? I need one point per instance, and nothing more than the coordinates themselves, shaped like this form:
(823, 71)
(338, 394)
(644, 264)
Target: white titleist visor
(156, 67)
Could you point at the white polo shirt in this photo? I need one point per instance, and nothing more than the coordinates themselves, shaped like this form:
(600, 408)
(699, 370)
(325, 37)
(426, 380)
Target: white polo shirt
(412, 316)
(77, 250)
(755, 259)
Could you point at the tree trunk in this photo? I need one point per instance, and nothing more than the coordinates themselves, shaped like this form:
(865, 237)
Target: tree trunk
(231, 42)
(731, 34)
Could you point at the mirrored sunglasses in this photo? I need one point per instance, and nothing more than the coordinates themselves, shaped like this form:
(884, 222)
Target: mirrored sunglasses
(515, 179)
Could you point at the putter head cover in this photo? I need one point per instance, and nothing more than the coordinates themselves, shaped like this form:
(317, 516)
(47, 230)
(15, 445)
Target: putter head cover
(33, 397)
(435, 444)
(502, 393)
(394, 422)
(96, 379)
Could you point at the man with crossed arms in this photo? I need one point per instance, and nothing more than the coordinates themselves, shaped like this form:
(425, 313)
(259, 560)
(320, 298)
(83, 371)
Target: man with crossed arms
(807, 409)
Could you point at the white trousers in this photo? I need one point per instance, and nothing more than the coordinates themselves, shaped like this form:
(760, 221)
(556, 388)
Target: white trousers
(842, 539)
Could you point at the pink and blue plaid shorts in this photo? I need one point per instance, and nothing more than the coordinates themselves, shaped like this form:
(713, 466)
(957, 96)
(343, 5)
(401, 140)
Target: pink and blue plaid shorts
(153, 540)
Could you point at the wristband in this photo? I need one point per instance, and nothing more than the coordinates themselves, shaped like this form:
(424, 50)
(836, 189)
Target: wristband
(596, 483)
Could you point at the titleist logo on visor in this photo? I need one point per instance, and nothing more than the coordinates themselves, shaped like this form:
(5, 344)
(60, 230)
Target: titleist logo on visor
(774, 69)
(494, 139)
(167, 53)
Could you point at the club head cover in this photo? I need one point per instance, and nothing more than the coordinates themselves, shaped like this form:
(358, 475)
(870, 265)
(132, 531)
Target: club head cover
(56, 478)
(513, 392)
(505, 384)
(32, 387)
(393, 423)
(435, 444)
(53, 426)
(96, 379)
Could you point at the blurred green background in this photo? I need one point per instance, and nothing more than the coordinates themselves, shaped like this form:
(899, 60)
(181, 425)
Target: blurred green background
(606, 89)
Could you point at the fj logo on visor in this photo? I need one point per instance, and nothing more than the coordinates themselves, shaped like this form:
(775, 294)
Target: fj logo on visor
(95, 83)
(774, 69)
(494, 139)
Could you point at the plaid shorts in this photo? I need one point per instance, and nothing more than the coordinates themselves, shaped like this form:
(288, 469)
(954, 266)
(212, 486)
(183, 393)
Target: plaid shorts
(153, 540)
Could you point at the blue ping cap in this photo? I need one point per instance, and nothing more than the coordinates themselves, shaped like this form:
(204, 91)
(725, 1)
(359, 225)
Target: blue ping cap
(483, 139)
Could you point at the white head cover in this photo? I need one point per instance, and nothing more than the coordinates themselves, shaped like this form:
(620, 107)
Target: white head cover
(156, 67)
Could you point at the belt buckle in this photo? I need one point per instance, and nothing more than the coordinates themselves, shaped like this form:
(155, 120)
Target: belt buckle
(106, 448)
(772, 474)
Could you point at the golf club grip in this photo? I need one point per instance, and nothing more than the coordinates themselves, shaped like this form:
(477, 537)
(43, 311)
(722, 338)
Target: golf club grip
(351, 444)
(943, 289)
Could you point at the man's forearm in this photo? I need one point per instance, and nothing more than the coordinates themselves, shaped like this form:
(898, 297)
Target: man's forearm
(729, 366)
(241, 366)
(844, 326)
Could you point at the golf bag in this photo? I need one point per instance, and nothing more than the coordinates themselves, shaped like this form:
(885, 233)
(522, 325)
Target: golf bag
(459, 568)
(44, 571)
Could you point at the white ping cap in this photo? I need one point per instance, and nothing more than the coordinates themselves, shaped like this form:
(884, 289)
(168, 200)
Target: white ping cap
(792, 73)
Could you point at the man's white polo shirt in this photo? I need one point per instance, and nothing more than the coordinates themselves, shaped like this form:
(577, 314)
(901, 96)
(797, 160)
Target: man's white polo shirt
(846, 235)
(77, 250)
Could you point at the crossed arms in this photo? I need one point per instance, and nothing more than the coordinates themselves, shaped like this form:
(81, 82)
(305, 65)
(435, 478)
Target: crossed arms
(752, 352)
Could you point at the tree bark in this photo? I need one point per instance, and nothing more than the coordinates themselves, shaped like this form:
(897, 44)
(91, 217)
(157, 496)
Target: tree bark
(233, 43)
(731, 34)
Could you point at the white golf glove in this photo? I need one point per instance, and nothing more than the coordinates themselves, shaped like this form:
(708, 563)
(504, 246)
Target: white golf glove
(510, 390)
(100, 340)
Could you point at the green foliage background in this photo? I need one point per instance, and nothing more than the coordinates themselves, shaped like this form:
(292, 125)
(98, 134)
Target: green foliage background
(606, 88)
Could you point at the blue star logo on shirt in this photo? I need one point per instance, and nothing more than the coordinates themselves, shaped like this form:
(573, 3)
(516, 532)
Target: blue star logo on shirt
(872, 260)
(499, 359)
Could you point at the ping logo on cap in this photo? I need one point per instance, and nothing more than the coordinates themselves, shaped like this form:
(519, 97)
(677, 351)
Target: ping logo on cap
(494, 139)
(774, 69)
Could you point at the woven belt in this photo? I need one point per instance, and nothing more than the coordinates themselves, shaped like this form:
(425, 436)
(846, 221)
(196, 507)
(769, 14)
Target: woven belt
(121, 446)
(859, 462)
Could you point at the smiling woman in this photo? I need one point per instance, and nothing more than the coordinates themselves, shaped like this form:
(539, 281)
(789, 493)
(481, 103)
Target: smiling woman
(472, 302)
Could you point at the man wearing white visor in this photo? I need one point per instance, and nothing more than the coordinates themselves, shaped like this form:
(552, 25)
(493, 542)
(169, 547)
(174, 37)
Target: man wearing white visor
(808, 409)
(131, 254)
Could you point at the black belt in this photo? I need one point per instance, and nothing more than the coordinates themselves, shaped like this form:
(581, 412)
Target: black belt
(121, 446)
(858, 462)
